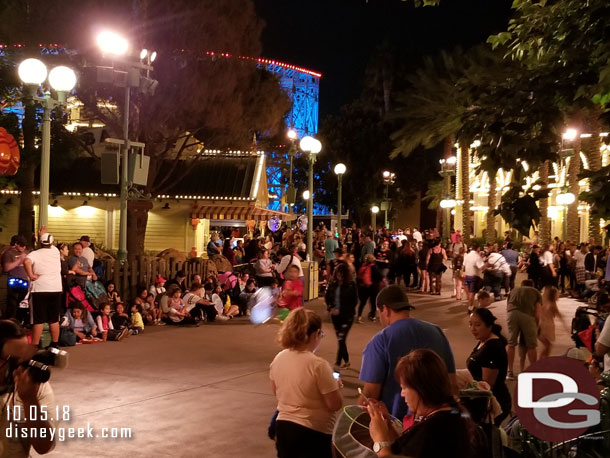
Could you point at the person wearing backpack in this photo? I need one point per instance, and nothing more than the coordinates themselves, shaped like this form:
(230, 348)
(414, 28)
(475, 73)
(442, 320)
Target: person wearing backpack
(369, 279)
(12, 263)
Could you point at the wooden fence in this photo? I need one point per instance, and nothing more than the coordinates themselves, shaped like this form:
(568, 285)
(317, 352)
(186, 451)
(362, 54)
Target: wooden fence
(141, 271)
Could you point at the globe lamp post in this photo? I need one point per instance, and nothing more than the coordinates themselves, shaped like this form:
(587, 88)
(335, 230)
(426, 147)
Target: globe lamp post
(312, 147)
(33, 73)
(339, 171)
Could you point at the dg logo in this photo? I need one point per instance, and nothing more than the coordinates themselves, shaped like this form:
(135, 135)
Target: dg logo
(556, 399)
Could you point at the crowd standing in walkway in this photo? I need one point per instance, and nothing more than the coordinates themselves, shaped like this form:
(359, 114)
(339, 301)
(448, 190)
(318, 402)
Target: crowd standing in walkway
(408, 370)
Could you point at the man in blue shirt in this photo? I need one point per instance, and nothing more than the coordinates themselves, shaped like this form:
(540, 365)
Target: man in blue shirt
(512, 258)
(401, 335)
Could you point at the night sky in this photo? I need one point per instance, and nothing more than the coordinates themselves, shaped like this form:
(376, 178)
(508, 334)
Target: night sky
(337, 37)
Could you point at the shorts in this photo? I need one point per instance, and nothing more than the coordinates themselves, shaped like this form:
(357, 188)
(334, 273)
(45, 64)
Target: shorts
(45, 307)
(519, 322)
(473, 283)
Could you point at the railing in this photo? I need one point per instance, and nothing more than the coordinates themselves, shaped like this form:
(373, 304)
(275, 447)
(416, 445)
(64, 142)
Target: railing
(142, 271)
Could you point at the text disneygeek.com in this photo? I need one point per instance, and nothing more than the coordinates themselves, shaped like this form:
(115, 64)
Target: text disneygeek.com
(62, 434)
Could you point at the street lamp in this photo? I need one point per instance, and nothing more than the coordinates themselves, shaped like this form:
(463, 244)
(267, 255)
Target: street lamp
(374, 211)
(311, 146)
(565, 199)
(339, 171)
(291, 192)
(389, 178)
(33, 72)
(116, 47)
(306, 195)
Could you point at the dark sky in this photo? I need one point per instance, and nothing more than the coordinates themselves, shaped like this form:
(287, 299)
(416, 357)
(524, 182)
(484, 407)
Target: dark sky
(338, 37)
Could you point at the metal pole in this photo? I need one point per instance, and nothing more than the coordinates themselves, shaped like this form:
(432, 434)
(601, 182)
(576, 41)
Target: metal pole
(339, 208)
(122, 253)
(45, 163)
(386, 194)
(374, 222)
(290, 183)
(310, 210)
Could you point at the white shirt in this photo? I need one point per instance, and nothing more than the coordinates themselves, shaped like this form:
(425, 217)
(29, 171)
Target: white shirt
(473, 263)
(89, 255)
(579, 257)
(283, 265)
(498, 262)
(604, 339)
(417, 236)
(46, 263)
(546, 258)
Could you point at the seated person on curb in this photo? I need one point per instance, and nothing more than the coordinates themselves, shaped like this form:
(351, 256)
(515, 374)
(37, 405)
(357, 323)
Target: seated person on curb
(79, 264)
(178, 313)
(483, 299)
(137, 324)
(198, 305)
(222, 303)
(120, 319)
(81, 322)
(19, 391)
(105, 326)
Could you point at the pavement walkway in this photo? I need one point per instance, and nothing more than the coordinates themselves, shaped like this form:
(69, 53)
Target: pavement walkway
(204, 392)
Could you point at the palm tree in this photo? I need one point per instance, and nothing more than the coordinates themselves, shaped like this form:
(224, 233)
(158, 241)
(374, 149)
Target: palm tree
(433, 110)
(544, 227)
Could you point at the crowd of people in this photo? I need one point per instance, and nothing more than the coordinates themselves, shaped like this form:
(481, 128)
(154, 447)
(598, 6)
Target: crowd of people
(408, 368)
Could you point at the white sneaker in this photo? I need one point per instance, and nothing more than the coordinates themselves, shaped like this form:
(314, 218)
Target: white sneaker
(222, 318)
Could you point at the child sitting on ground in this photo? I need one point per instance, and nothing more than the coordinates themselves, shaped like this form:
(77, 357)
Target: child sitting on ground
(137, 324)
(177, 309)
(150, 312)
(484, 299)
(81, 322)
(105, 326)
(292, 290)
(120, 319)
(228, 309)
(113, 295)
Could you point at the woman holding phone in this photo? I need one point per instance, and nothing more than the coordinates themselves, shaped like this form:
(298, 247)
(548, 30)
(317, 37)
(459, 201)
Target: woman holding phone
(308, 395)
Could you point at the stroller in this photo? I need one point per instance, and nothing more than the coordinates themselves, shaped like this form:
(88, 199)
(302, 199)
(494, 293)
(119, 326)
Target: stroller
(582, 330)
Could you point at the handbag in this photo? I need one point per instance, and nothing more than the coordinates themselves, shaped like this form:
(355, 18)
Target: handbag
(67, 337)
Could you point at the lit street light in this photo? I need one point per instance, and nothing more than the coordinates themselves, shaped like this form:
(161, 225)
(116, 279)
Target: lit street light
(306, 195)
(115, 46)
(312, 147)
(389, 178)
(339, 171)
(33, 72)
(374, 211)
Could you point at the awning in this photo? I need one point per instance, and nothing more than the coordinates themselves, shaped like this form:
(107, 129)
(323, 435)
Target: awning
(239, 212)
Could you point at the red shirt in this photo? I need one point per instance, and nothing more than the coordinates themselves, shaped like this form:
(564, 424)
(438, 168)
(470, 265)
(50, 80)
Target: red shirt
(292, 301)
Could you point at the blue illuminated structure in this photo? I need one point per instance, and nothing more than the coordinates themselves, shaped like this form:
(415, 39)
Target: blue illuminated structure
(303, 86)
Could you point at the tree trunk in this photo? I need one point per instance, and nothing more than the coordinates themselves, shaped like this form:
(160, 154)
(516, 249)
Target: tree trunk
(591, 148)
(490, 236)
(465, 182)
(137, 218)
(545, 225)
(439, 219)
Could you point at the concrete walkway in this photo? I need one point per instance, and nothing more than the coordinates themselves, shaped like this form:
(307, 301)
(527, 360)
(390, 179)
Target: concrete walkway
(204, 392)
